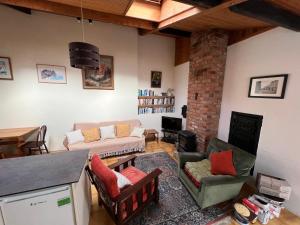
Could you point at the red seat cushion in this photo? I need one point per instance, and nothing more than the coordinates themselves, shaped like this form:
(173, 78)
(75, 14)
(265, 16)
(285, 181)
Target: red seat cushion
(222, 163)
(135, 175)
(106, 175)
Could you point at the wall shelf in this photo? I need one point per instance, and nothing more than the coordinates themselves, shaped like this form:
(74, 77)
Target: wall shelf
(148, 102)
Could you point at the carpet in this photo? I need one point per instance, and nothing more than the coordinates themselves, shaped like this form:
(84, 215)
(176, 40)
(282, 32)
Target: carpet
(176, 206)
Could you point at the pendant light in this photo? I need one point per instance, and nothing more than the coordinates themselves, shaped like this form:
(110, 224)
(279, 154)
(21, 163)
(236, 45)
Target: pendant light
(84, 55)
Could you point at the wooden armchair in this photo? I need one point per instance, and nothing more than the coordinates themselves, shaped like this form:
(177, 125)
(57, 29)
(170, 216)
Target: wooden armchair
(133, 198)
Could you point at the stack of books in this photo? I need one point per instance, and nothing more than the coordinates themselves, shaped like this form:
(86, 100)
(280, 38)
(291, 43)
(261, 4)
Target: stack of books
(274, 186)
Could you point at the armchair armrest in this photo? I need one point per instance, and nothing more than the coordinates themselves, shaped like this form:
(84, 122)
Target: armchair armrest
(139, 185)
(219, 180)
(190, 157)
(124, 162)
(138, 189)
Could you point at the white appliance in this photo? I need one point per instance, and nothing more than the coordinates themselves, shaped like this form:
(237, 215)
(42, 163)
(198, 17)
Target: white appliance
(53, 206)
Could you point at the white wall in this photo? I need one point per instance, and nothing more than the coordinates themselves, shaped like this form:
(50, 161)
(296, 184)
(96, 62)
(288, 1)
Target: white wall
(181, 77)
(43, 38)
(274, 52)
(155, 53)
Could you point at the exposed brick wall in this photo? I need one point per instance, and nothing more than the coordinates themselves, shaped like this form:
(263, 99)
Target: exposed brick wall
(207, 67)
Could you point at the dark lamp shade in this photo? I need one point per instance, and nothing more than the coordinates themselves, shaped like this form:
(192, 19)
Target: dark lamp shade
(84, 55)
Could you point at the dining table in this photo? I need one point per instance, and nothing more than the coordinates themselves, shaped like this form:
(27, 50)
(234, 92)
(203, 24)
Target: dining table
(16, 137)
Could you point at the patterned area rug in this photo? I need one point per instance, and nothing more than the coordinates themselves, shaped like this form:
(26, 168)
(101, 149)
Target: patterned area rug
(176, 206)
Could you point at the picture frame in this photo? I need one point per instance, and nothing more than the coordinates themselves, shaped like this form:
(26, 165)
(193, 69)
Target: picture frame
(156, 79)
(102, 79)
(273, 86)
(6, 72)
(52, 74)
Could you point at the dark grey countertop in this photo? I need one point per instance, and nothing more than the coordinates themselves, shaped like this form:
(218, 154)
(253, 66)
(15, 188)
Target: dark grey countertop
(18, 175)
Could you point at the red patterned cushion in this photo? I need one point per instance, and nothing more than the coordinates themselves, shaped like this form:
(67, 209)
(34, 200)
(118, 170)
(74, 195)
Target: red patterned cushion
(106, 175)
(222, 163)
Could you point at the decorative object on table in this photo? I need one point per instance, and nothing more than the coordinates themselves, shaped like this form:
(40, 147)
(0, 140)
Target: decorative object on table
(51, 74)
(156, 79)
(273, 186)
(5, 69)
(151, 103)
(103, 78)
(39, 144)
(268, 86)
(170, 92)
(83, 55)
(176, 204)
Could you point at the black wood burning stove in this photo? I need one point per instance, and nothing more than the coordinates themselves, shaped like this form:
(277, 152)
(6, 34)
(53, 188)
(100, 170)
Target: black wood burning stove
(186, 141)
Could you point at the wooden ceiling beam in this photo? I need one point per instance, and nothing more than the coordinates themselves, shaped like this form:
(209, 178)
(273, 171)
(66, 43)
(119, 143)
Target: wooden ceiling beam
(196, 12)
(67, 10)
(240, 35)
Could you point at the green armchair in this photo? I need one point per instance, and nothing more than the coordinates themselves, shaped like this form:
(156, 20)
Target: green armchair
(216, 189)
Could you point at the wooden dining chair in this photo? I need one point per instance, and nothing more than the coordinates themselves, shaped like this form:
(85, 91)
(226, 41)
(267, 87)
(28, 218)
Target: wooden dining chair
(39, 144)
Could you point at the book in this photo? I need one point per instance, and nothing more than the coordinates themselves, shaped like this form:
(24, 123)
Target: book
(276, 193)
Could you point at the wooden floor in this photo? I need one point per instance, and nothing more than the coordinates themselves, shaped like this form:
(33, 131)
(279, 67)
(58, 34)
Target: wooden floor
(100, 217)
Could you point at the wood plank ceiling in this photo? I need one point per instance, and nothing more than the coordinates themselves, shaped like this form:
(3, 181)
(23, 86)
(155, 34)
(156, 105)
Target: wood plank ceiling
(117, 7)
(170, 15)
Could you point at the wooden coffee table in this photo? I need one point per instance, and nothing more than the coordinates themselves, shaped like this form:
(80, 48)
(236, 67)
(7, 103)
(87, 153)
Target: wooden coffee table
(151, 135)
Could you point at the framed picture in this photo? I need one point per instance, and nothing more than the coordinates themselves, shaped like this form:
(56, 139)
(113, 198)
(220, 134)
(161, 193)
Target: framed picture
(5, 69)
(102, 79)
(268, 86)
(51, 74)
(156, 79)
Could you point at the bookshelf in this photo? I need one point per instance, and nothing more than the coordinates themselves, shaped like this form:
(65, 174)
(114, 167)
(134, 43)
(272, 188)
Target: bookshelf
(155, 104)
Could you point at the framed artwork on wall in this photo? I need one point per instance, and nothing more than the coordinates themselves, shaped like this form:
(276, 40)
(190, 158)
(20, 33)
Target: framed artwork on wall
(156, 79)
(51, 74)
(5, 69)
(102, 79)
(268, 86)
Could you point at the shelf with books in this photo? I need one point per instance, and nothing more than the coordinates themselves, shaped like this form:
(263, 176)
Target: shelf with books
(156, 106)
(155, 97)
(148, 102)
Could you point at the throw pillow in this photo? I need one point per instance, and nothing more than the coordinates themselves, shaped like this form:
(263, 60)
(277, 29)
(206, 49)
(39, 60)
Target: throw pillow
(123, 130)
(106, 175)
(74, 137)
(137, 132)
(107, 132)
(122, 180)
(222, 163)
(91, 135)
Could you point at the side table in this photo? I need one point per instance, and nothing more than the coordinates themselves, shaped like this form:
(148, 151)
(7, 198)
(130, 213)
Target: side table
(151, 135)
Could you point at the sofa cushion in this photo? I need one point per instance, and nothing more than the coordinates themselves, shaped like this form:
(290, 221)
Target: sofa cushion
(222, 163)
(74, 137)
(132, 124)
(138, 132)
(122, 130)
(242, 160)
(107, 132)
(122, 180)
(90, 135)
(197, 170)
(106, 175)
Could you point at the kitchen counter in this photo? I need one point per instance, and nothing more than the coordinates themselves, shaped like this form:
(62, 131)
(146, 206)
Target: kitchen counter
(19, 175)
